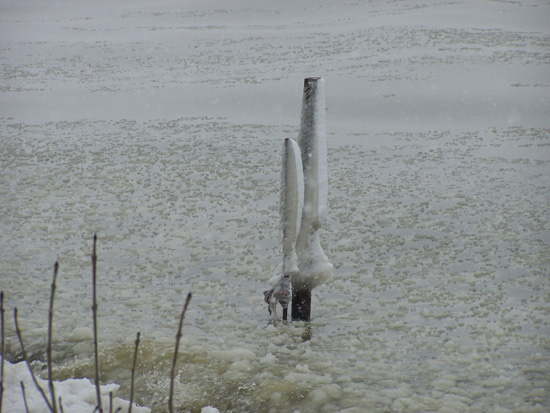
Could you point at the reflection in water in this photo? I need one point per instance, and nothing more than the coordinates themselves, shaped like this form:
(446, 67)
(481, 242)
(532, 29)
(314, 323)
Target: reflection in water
(308, 332)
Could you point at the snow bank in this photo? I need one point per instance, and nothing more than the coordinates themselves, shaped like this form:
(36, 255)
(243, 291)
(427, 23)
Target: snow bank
(77, 395)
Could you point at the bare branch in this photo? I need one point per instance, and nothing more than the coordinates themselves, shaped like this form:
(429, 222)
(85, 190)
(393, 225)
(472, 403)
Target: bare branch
(1, 348)
(24, 397)
(49, 348)
(178, 337)
(133, 374)
(94, 313)
(26, 357)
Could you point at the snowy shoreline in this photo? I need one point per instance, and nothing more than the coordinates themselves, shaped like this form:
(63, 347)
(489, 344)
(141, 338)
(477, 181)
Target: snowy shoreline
(76, 395)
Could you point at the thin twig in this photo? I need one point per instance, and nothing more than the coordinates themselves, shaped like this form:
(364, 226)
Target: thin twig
(60, 405)
(111, 404)
(94, 313)
(1, 348)
(26, 357)
(24, 397)
(133, 374)
(178, 337)
(49, 348)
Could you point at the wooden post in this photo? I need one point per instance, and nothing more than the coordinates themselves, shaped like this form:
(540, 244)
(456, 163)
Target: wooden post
(301, 305)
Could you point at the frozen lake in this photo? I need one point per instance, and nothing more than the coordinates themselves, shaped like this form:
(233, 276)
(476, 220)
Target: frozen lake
(159, 125)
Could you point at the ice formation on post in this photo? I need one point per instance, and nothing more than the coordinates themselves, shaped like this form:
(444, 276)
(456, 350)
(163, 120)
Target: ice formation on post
(314, 265)
(291, 204)
(303, 207)
(290, 210)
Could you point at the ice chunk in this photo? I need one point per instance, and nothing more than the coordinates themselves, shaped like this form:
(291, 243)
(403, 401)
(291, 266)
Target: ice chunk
(209, 409)
(234, 355)
(268, 359)
(81, 334)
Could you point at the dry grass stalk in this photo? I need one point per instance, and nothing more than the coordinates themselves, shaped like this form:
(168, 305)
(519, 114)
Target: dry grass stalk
(49, 347)
(1, 348)
(111, 404)
(26, 357)
(24, 397)
(133, 374)
(94, 313)
(178, 338)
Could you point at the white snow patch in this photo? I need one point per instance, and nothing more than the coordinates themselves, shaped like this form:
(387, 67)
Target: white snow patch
(77, 395)
(209, 409)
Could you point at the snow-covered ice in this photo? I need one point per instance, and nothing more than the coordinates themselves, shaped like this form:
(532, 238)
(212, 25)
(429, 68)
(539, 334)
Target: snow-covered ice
(159, 126)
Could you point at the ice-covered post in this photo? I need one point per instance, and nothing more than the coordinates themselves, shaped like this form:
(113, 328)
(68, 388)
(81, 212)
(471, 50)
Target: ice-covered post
(314, 267)
(290, 207)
